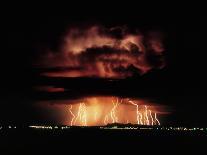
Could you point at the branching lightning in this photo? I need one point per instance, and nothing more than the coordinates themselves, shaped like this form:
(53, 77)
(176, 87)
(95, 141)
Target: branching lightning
(146, 116)
(137, 111)
(114, 117)
(152, 120)
(157, 119)
(82, 114)
(106, 119)
(84, 117)
(143, 118)
(73, 116)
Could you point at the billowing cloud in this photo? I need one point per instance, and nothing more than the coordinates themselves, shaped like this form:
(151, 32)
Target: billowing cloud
(105, 52)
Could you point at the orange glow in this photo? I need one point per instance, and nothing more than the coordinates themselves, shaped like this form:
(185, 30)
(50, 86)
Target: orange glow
(73, 116)
(94, 52)
(94, 111)
(81, 118)
(150, 113)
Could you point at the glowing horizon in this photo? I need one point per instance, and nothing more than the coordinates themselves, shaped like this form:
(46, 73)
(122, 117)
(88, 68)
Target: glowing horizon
(92, 112)
(103, 110)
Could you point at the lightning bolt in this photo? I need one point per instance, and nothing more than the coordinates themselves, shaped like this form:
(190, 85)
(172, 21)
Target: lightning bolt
(152, 120)
(140, 115)
(106, 120)
(82, 115)
(112, 116)
(137, 109)
(157, 119)
(73, 116)
(79, 111)
(146, 116)
(113, 112)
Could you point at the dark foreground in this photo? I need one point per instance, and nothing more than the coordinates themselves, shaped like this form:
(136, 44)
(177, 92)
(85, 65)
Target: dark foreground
(87, 141)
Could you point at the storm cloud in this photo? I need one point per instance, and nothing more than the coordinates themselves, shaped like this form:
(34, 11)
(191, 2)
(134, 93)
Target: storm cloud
(101, 52)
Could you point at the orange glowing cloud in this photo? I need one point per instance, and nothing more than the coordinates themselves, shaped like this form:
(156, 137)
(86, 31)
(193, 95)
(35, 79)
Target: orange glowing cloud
(96, 52)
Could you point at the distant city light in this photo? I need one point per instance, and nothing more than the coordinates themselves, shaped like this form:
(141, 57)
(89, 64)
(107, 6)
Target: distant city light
(120, 128)
(111, 127)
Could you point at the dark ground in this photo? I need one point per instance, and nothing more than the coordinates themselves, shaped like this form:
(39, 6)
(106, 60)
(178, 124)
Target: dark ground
(36, 141)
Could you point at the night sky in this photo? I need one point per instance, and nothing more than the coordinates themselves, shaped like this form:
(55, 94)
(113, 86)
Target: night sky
(30, 31)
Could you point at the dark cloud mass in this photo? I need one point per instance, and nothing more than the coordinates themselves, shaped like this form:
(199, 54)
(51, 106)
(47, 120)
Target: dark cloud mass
(96, 51)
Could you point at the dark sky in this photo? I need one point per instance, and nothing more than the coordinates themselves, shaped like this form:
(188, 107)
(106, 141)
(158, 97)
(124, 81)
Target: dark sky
(178, 84)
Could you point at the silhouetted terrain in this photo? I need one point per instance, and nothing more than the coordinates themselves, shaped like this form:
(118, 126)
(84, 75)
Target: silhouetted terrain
(93, 140)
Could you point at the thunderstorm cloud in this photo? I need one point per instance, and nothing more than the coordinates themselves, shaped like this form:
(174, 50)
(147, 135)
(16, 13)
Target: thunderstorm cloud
(97, 51)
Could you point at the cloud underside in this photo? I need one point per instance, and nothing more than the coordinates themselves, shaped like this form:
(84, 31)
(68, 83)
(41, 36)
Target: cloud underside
(93, 52)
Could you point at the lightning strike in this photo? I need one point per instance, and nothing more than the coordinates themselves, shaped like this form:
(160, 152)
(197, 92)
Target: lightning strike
(141, 122)
(137, 111)
(157, 119)
(86, 114)
(146, 116)
(106, 119)
(82, 115)
(73, 116)
(152, 120)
